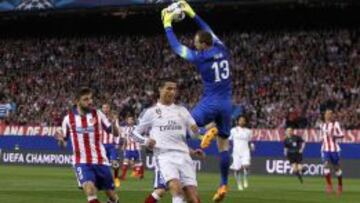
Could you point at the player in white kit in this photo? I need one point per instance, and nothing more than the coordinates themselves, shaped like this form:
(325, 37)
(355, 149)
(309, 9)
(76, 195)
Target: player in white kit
(241, 141)
(167, 125)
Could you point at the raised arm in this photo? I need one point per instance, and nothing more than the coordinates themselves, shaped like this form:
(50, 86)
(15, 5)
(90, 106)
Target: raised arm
(202, 24)
(180, 49)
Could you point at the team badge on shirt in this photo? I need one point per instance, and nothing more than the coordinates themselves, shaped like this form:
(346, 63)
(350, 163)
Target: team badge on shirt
(158, 112)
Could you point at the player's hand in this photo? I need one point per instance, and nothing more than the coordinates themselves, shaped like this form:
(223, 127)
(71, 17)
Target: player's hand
(113, 118)
(199, 153)
(150, 143)
(187, 9)
(59, 136)
(167, 17)
(62, 144)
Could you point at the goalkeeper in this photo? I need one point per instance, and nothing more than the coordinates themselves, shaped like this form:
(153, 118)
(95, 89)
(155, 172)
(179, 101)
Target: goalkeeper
(211, 59)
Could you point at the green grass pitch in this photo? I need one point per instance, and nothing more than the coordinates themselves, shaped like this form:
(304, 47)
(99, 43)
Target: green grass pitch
(57, 185)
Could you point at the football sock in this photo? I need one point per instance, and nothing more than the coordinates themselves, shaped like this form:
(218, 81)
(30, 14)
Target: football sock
(224, 167)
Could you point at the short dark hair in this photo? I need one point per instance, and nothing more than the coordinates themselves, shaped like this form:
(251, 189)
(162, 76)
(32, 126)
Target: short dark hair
(205, 37)
(164, 80)
(243, 116)
(83, 91)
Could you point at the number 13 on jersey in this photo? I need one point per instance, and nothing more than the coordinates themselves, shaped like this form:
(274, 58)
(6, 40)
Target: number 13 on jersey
(221, 69)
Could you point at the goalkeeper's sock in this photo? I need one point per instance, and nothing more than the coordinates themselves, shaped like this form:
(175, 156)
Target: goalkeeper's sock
(224, 167)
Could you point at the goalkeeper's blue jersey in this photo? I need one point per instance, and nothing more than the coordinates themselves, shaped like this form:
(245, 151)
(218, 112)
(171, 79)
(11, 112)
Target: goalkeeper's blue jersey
(212, 64)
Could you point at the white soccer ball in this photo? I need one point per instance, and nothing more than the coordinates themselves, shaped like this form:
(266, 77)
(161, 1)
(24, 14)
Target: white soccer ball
(174, 8)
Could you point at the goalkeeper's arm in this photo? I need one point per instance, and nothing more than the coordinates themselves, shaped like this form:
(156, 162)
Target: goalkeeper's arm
(176, 46)
(202, 24)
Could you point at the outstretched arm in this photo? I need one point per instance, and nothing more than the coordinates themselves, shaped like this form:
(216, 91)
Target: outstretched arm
(202, 24)
(176, 46)
(181, 50)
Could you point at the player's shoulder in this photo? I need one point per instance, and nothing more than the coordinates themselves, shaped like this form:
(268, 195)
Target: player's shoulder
(248, 130)
(66, 117)
(150, 110)
(180, 107)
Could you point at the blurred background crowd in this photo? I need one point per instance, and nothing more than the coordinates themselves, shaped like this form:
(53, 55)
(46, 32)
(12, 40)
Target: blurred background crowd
(279, 78)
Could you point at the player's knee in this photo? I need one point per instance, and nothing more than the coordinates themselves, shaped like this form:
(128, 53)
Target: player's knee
(89, 188)
(160, 192)
(175, 187)
(338, 172)
(223, 144)
(115, 164)
(194, 199)
(112, 196)
(326, 171)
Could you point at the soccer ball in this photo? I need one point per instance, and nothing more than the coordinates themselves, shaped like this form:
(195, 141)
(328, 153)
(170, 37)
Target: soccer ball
(174, 8)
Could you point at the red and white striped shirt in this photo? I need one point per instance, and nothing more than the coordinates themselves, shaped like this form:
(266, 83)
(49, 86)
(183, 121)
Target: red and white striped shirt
(331, 132)
(130, 143)
(85, 133)
(109, 138)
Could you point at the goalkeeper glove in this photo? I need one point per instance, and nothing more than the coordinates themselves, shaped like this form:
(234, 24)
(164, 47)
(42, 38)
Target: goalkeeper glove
(166, 17)
(187, 9)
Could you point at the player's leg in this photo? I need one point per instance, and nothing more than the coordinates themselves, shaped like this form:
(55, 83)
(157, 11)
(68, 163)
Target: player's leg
(139, 167)
(236, 166)
(114, 158)
(133, 167)
(338, 171)
(245, 169)
(116, 166)
(237, 175)
(224, 125)
(112, 196)
(204, 114)
(90, 191)
(159, 187)
(176, 191)
(125, 165)
(296, 171)
(245, 163)
(87, 178)
(156, 195)
(327, 171)
(299, 159)
(188, 181)
(105, 182)
(191, 194)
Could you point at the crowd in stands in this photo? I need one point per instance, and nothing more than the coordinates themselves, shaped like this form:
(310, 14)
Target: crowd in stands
(279, 77)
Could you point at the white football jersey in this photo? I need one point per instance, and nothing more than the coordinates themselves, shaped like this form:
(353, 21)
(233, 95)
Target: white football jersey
(167, 125)
(241, 138)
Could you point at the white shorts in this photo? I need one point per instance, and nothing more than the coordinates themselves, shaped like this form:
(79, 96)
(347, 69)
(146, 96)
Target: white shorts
(177, 165)
(239, 161)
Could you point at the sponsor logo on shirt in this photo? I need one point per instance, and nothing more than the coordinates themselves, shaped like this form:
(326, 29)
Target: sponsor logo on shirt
(81, 130)
(172, 125)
